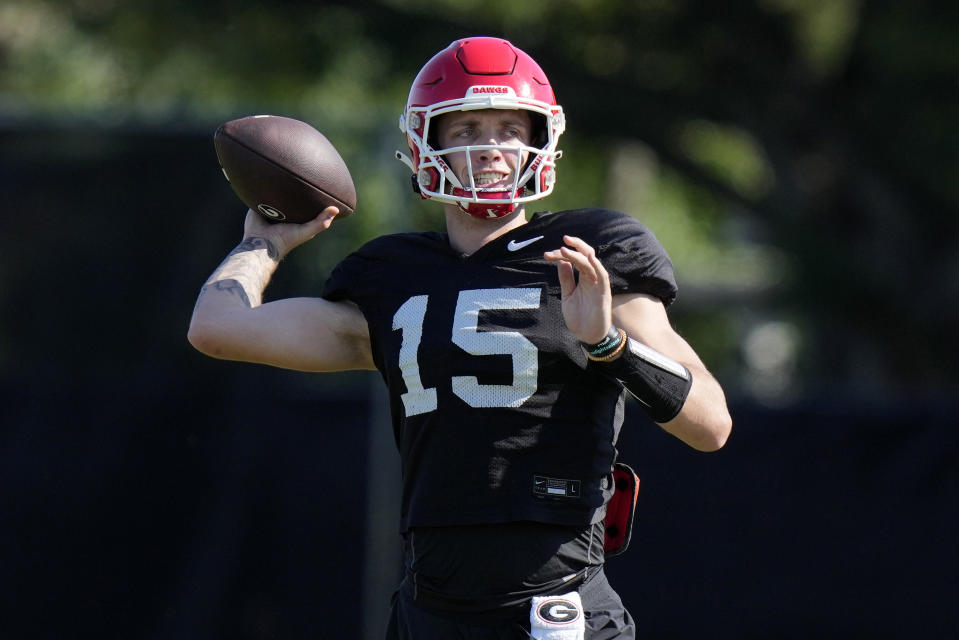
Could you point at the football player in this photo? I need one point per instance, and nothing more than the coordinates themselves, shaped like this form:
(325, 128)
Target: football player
(508, 344)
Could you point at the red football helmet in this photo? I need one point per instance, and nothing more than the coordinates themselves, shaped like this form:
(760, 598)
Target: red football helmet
(481, 73)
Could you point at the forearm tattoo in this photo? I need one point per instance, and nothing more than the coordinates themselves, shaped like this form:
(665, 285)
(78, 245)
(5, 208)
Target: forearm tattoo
(245, 271)
(232, 287)
(253, 244)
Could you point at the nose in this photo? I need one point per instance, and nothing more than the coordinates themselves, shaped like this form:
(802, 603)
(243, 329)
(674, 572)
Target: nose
(490, 155)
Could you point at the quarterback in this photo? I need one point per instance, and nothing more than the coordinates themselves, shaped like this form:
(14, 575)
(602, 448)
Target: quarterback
(508, 344)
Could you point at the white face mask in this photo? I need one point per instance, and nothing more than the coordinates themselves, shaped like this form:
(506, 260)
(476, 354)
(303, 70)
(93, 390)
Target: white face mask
(435, 179)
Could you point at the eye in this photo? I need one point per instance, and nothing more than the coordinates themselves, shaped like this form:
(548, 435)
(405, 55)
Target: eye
(515, 132)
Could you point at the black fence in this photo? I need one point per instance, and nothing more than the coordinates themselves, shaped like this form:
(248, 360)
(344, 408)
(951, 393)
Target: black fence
(150, 492)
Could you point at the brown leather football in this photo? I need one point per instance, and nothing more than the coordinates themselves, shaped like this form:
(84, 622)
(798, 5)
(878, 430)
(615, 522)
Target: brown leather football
(283, 168)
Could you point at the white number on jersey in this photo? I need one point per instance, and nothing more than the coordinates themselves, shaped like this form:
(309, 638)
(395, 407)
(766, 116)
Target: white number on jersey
(409, 318)
(466, 334)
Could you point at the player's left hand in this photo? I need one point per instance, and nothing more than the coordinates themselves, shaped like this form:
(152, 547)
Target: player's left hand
(588, 303)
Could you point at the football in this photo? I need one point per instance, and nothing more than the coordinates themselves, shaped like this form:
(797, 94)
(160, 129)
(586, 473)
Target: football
(283, 168)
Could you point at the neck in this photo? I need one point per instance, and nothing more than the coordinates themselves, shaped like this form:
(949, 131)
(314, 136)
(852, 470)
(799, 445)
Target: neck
(467, 234)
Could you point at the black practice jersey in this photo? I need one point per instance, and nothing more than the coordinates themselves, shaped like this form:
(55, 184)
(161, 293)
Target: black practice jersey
(495, 415)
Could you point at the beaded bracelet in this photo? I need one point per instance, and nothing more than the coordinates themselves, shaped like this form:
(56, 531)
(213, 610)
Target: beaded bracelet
(608, 348)
(610, 341)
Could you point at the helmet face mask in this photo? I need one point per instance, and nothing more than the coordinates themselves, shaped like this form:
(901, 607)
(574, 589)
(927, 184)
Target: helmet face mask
(472, 74)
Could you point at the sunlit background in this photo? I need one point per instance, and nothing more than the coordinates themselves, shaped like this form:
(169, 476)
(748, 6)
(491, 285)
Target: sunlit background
(799, 159)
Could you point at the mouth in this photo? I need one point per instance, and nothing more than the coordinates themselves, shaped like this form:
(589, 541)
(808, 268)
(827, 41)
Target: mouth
(492, 180)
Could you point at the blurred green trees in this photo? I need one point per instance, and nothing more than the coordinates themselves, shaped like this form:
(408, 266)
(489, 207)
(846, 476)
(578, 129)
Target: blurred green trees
(797, 157)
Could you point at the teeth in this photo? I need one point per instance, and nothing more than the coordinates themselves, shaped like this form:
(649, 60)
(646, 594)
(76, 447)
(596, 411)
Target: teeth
(487, 177)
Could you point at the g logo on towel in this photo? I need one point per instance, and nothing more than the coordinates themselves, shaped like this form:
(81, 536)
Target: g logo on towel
(558, 611)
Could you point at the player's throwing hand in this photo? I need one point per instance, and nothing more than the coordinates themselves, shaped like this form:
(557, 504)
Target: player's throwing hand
(287, 236)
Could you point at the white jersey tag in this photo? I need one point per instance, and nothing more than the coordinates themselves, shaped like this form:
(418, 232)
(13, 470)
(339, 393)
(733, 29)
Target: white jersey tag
(557, 617)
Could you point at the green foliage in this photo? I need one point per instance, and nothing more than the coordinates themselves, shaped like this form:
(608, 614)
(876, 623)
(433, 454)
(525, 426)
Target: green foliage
(730, 154)
(764, 143)
(823, 30)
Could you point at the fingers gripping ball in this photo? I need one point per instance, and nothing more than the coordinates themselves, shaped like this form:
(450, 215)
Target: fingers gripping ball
(283, 168)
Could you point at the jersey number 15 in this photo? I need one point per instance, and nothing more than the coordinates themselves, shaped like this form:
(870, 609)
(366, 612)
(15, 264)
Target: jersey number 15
(466, 335)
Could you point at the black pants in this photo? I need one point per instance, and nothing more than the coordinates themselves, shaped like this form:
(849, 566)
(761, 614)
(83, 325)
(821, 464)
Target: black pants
(606, 618)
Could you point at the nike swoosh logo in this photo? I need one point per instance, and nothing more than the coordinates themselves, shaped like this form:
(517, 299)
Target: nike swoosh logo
(516, 246)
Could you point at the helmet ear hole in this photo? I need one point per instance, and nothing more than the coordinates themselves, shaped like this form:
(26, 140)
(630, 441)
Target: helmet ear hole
(540, 135)
(433, 138)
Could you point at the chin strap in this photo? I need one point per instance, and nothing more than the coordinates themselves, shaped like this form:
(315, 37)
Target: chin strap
(486, 210)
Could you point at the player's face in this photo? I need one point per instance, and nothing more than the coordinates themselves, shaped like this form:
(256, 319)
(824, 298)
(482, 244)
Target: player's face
(492, 168)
